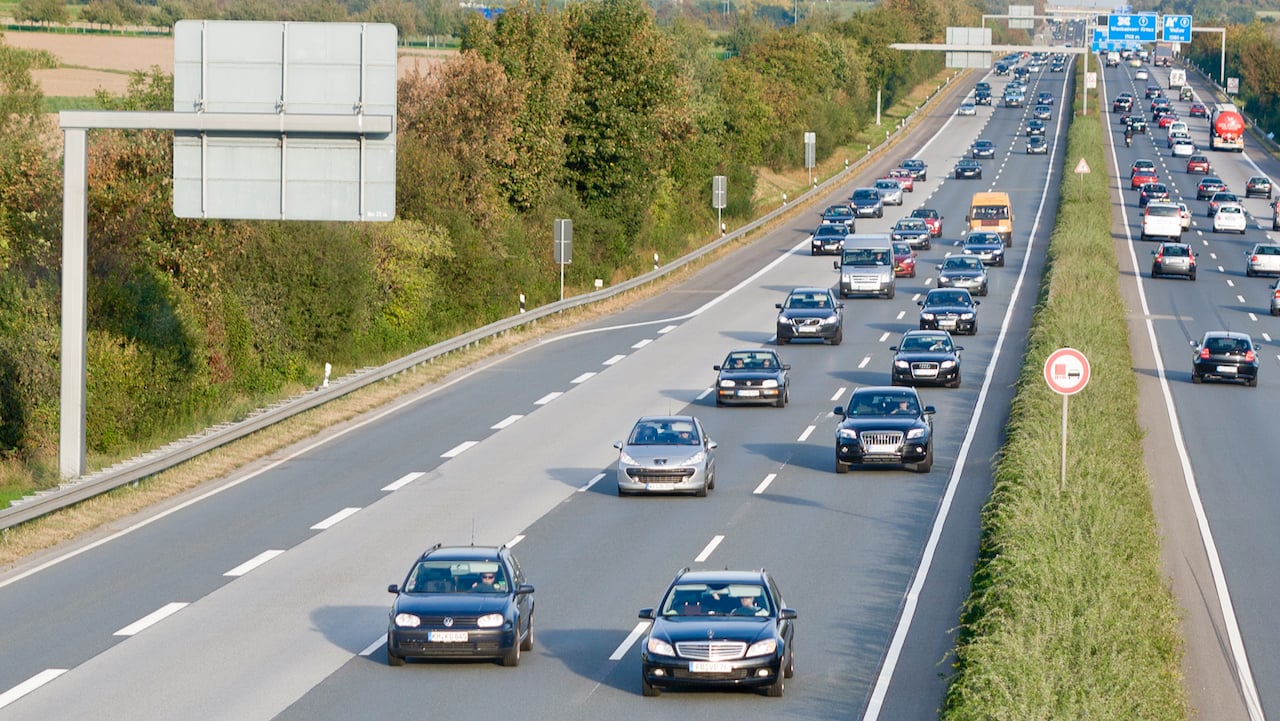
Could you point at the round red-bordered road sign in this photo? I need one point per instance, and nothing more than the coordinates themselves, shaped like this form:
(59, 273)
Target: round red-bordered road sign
(1066, 370)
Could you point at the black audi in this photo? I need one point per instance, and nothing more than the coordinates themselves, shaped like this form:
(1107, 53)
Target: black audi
(810, 313)
(462, 602)
(950, 309)
(719, 628)
(885, 425)
(926, 357)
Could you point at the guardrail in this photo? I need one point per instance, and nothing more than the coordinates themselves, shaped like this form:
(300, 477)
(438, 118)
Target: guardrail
(180, 451)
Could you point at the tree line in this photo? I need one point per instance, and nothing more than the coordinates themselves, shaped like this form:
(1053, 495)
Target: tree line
(601, 112)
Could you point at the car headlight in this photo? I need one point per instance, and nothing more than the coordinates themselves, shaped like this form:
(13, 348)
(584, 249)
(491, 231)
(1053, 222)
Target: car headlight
(966, 316)
(727, 383)
(830, 320)
(696, 459)
(947, 364)
(847, 434)
(659, 647)
(944, 279)
(762, 648)
(490, 620)
(915, 433)
(926, 316)
(407, 620)
(770, 383)
(901, 364)
(626, 459)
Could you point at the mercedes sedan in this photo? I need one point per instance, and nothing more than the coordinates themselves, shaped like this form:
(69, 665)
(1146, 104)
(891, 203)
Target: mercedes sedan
(666, 454)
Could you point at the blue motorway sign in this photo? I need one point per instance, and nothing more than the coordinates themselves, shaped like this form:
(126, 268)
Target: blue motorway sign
(1176, 28)
(1101, 42)
(1138, 28)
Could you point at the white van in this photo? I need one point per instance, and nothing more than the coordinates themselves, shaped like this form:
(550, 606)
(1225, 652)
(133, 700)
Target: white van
(866, 266)
(1162, 220)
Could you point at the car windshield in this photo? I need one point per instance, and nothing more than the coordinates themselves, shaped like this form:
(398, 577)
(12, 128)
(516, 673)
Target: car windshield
(883, 403)
(866, 194)
(961, 262)
(924, 213)
(911, 224)
(887, 184)
(983, 239)
(900, 248)
(716, 599)
(808, 301)
(834, 231)
(666, 432)
(990, 212)
(865, 256)
(445, 576)
(924, 343)
(947, 297)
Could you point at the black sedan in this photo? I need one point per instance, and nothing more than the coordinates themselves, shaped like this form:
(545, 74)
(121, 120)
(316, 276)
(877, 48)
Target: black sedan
(1152, 191)
(812, 313)
(919, 170)
(914, 231)
(982, 149)
(1037, 145)
(950, 309)
(926, 356)
(1209, 185)
(985, 246)
(1035, 127)
(885, 425)
(828, 238)
(752, 376)
(969, 169)
(718, 629)
(462, 602)
(839, 215)
(1225, 355)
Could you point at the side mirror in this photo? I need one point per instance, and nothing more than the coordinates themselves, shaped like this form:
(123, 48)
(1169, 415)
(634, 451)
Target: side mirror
(786, 366)
(958, 348)
(893, 348)
(1195, 344)
(778, 306)
(930, 410)
(617, 444)
(647, 613)
(786, 614)
(977, 302)
(835, 265)
(715, 368)
(524, 589)
(393, 588)
(839, 410)
(920, 303)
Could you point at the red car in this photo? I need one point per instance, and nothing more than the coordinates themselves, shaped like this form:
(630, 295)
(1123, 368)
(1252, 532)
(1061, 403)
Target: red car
(931, 218)
(1198, 110)
(1198, 164)
(1142, 176)
(1166, 119)
(904, 259)
(905, 178)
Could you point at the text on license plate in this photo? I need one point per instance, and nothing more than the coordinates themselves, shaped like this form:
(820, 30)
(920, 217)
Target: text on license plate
(749, 394)
(807, 329)
(447, 636)
(1227, 369)
(709, 667)
(660, 486)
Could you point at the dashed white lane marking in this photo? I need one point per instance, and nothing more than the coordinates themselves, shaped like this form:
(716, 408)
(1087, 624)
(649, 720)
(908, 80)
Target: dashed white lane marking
(506, 422)
(459, 449)
(629, 641)
(764, 484)
(30, 685)
(405, 480)
(335, 519)
(711, 547)
(613, 360)
(583, 378)
(151, 619)
(253, 563)
(548, 398)
(805, 436)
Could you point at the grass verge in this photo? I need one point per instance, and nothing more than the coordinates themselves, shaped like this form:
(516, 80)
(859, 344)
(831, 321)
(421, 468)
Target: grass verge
(1070, 616)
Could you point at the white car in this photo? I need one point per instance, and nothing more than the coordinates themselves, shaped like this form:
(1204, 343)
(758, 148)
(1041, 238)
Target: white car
(1142, 74)
(1161, 219)
(967, 108)
(890, 191)
(1183, 148)
(1230, 216)
(1185, 212)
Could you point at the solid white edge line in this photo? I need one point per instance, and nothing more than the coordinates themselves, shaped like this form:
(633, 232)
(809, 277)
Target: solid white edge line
(706, 552)
(515, 539)
(1243, 672)
(805, 436)
(403, 481)
(253, 563)
(594, 480)
(764, 484)
(506, 421)
(459, 449)
(912, 598)
(335, 519)
(629, 641)
(30, 685)
(151, 619)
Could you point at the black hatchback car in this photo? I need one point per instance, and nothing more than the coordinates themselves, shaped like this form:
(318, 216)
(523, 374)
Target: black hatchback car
(462, 602)
(885, 425)
(810, 313)
(926, 356)
(1225, 355)
(753, 376)
(949, 309)
(716, 629)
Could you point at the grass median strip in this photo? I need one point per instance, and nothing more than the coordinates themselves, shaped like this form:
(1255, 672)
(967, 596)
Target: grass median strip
(1070, 615)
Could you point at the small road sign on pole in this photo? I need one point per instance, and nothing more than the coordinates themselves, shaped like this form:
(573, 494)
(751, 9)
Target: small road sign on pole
(1066, 370)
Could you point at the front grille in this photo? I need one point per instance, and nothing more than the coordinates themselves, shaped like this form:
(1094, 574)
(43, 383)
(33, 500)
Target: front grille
(460, 623)
(806, 321)
(928, 369)
(712, 650)
(660, 475)
(881, 441)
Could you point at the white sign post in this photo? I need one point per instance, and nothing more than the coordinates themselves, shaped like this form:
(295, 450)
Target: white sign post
(1066, 370)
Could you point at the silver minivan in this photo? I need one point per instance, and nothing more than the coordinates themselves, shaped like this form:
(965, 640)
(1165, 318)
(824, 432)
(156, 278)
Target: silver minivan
(866, 266)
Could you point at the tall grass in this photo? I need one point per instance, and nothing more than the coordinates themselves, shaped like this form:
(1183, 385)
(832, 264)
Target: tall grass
(1070, 616)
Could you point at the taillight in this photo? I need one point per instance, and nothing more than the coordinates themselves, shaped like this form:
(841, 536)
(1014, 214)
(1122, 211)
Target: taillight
(1159, 257)
(1204, 353)
(1248, 356)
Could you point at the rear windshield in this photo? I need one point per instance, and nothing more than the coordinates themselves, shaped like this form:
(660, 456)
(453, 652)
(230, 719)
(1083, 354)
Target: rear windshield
(1163, 211)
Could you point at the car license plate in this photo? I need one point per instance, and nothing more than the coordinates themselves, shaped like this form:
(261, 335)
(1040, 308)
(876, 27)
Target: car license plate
(1226, 369)
(710, 667)
(447, 636)
(926, 373)
(659, 487)
(946, 324)
(807, 329)
(749, 394)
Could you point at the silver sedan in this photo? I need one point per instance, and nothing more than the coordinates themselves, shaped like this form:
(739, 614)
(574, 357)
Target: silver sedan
(666, 454)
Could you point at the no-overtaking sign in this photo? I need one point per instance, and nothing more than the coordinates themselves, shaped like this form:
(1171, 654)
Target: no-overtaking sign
(1066, 370)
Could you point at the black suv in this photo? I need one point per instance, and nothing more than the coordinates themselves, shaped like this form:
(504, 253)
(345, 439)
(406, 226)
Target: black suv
(885, 424)
(461, 602)
(719, 628)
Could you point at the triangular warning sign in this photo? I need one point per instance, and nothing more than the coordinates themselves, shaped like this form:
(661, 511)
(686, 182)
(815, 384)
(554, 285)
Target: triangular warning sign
(1082, 167)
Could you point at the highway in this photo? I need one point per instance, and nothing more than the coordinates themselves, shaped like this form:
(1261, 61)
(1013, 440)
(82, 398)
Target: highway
(263, 596)
(1214, 489)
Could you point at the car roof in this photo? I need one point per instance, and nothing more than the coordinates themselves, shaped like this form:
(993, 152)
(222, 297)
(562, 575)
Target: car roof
(724, 576)
(810, 289)
(1238, 335)
(463, 553)
(924, 213)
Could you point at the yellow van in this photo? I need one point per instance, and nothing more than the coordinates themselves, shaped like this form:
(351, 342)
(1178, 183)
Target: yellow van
(991, 211)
